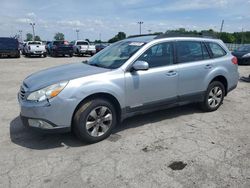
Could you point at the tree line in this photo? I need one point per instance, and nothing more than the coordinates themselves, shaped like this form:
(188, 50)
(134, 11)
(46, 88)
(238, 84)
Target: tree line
(235, 37)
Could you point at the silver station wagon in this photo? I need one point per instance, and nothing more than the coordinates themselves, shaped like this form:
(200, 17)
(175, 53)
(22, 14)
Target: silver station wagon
(132, 76)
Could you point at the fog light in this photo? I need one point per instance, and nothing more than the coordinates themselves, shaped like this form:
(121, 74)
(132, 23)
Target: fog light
(39, 124)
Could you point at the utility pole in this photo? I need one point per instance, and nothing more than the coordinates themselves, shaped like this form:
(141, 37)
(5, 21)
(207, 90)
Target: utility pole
(221, 27)
(77, 34)
(140, 23)
(20, 35)
(33, 29)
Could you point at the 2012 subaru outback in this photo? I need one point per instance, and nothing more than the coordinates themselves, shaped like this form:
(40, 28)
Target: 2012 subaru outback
(132, 76)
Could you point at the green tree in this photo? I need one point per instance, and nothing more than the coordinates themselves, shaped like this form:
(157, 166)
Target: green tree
(37, 38)
(29, 37)
(59, 36)
(227, 37)
(120, 36)
(97, 41)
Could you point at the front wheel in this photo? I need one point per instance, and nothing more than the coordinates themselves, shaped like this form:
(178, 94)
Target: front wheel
(214, 96)
(94, 120)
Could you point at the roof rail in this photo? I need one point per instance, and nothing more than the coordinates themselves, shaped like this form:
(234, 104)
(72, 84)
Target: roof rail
(199, 35)
(143, 35)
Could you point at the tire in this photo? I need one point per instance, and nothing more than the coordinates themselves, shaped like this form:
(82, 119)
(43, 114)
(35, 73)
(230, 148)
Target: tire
(78, 53)
(53, 54)
(99, 129)
(18, 55)
(45, 55)
(70, 55)
(214, 96)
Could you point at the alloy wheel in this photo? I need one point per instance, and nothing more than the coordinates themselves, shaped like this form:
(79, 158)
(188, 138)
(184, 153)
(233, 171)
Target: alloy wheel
(215, 96)
(99, 121)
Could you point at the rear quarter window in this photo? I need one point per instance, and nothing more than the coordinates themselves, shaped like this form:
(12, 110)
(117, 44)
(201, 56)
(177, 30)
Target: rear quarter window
(216, 50)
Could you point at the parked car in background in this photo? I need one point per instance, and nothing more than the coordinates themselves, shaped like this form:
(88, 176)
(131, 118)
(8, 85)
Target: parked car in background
(100, 47)
(148, 73)
(82, 47)
(60, 48)
(46, 45)
(9, 47)
(34, 48)
(22, 47)
(243, 55)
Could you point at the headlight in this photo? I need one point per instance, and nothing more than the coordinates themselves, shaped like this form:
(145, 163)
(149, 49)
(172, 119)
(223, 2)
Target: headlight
(47, 92)
(246, 55)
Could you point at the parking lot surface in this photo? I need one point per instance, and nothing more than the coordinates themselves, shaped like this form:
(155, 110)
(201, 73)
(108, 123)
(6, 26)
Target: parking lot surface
(179, 147)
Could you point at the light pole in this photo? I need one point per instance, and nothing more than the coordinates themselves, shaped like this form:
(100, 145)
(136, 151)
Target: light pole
(77, 34)
(20, 35)
(242, 35)
(33, 29)
(140, 23)
(100, 37)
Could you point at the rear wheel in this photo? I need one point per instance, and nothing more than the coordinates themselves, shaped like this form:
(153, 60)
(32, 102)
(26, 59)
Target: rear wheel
(214, 96)
(94, 120)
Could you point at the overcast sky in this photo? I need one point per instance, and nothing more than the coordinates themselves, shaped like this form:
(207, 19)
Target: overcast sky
(108, 17)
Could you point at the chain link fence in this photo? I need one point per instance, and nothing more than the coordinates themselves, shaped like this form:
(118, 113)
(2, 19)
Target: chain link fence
(233, 46)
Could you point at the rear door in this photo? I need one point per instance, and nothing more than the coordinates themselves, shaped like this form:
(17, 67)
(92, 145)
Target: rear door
(194, 65)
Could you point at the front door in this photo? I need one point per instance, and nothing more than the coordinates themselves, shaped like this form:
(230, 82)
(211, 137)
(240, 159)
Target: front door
(157, 85)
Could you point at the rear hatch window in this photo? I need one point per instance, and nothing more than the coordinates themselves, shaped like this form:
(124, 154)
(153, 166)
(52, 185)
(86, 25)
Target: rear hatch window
(8, 44)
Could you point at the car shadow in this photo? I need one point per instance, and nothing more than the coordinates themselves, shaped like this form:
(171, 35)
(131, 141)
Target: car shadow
(157, 116)
(31, 139)
(27, 138)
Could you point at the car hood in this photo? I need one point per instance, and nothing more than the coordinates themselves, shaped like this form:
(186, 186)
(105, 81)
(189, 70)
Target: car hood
(57, 74)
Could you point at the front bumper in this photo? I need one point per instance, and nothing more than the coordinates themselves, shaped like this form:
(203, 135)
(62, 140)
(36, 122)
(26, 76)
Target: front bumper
(37, 53)
(62, 52)
(52, 115)
(37, 125)
(87, 51)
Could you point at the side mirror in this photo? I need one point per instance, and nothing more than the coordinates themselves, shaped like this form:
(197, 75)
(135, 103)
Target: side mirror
(140, 65)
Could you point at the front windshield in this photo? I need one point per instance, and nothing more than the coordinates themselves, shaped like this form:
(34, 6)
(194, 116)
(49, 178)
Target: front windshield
(115, 55)
(244, 48)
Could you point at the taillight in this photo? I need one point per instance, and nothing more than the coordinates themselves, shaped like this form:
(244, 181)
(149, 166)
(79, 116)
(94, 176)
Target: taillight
(235, 60)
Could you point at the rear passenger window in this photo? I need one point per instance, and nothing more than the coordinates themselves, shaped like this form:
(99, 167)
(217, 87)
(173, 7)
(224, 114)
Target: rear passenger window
(216, 49)
(188, 51)
(159, 55)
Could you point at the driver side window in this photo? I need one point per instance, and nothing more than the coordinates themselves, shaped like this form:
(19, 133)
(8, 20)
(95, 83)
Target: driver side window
(158, 55)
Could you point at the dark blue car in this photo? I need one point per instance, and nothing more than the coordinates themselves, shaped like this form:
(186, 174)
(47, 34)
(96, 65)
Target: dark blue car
(9, 47)
(243, 55)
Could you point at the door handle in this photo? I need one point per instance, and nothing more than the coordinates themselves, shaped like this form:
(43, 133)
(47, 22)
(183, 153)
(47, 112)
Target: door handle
(208, 66)
(171, 73)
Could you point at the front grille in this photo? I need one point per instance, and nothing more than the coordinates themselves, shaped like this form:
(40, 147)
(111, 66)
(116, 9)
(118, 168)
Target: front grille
(22, 93)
